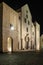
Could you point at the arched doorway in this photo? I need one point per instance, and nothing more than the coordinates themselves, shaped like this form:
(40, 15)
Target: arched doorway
(27, 41)
(10, 44)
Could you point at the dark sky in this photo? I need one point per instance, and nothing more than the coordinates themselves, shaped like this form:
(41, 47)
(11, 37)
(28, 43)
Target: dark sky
(36, 8)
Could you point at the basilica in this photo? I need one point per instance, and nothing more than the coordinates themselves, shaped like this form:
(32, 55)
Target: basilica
(17, 30)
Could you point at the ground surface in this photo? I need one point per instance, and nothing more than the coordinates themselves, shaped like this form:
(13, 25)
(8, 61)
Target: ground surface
(21, 58)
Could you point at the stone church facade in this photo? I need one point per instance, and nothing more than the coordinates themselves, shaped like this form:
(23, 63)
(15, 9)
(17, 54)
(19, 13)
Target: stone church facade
(17, 31)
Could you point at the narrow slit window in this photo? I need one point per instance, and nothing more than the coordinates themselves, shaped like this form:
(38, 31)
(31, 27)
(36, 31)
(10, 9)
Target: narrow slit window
(28, 22)
(25, 20)
(27, 29)
(26, 16)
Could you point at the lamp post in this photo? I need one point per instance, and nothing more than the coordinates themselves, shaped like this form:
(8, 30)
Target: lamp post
(11, 27)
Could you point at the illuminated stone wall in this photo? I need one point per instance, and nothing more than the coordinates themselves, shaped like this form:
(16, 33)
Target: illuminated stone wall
(9, 17)
(37, 27)
(26, 26)
(19, 30)
(33, 36)
(25, 35)
(41, 41)
(1, 10)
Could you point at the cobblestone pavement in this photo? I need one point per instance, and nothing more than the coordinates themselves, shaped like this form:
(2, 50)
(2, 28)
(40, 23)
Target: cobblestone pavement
(21, 58)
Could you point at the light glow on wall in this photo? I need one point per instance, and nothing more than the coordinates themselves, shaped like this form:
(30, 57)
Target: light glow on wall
(11, 27)
(38, 48)
(9, 49)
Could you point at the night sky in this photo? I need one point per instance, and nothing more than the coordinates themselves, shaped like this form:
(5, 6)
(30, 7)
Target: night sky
(36, 8)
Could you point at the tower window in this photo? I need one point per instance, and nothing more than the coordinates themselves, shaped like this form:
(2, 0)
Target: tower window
(19, 18)
(25, 20)
(28, 22)
(27, 29)
(26, 11)
(26, 16)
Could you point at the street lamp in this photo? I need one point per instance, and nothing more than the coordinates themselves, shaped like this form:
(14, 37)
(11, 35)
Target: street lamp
(11, 27)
